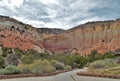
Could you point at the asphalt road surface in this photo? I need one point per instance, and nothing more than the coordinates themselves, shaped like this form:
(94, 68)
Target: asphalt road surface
(68, 76)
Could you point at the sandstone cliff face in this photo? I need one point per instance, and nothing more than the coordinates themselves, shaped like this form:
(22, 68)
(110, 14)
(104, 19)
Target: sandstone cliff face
(101, 36)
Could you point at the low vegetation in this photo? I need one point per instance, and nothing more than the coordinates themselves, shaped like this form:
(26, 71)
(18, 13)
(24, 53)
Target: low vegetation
(37, 67)
(112, 71)
(106, 66)
(2, 62)
(10, 69)
(19, 61)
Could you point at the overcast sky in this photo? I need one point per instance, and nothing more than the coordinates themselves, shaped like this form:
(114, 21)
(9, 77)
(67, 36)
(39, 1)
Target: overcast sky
(60, 13)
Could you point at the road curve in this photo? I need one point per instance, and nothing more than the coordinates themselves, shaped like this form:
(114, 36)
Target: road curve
(68, 76)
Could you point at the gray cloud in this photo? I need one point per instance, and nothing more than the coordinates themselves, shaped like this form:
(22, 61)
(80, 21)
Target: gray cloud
(60, 13)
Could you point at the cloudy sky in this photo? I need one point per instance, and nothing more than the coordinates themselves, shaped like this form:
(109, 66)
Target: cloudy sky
(60, 13)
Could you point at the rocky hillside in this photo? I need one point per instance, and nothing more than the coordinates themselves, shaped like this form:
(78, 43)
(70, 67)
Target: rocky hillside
(103, 36)
(15, 34)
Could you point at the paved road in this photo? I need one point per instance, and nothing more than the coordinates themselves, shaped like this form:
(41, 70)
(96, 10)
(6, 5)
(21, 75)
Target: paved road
(63, 77)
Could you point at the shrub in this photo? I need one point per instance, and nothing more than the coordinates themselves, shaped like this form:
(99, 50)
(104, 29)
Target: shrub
(74, 60)
(37, 71)
(30, 57)
(112, 71)
(102, 64)
(1, 62)
(97, 65)
(41, 66)
(58, 65)
(12, 59)
(19, 52)
(27, 59)
(79, 61)
(24, 68)
(3, 71)
(12, 69)
(37, 67)
(119, 60)
(68, 67)
(4, 53)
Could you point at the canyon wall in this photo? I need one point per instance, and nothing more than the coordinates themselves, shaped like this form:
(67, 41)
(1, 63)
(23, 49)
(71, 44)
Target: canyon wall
(103, 36)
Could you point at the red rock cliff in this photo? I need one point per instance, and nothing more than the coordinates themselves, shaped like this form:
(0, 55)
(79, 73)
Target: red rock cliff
(102, 36)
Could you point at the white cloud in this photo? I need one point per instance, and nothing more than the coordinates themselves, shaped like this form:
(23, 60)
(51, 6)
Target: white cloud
(49, 1)
(12, 3)
(38, 24)
(35, 23)
(27, 0)
(59, 13)
(90, 20)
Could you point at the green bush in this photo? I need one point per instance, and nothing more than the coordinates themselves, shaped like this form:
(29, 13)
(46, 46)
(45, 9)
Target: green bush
(37, 67)
(24, 68)
(79, 61)
(58, 65)
(3, 71)
(96, 56)
(12, 69)
(112, 71)
(27, 59)
(68, 67)
(30, 56)
(74, 60)
(1, 62)
(102, 64)
(19, 52)
(4, 53)
(41, 66)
